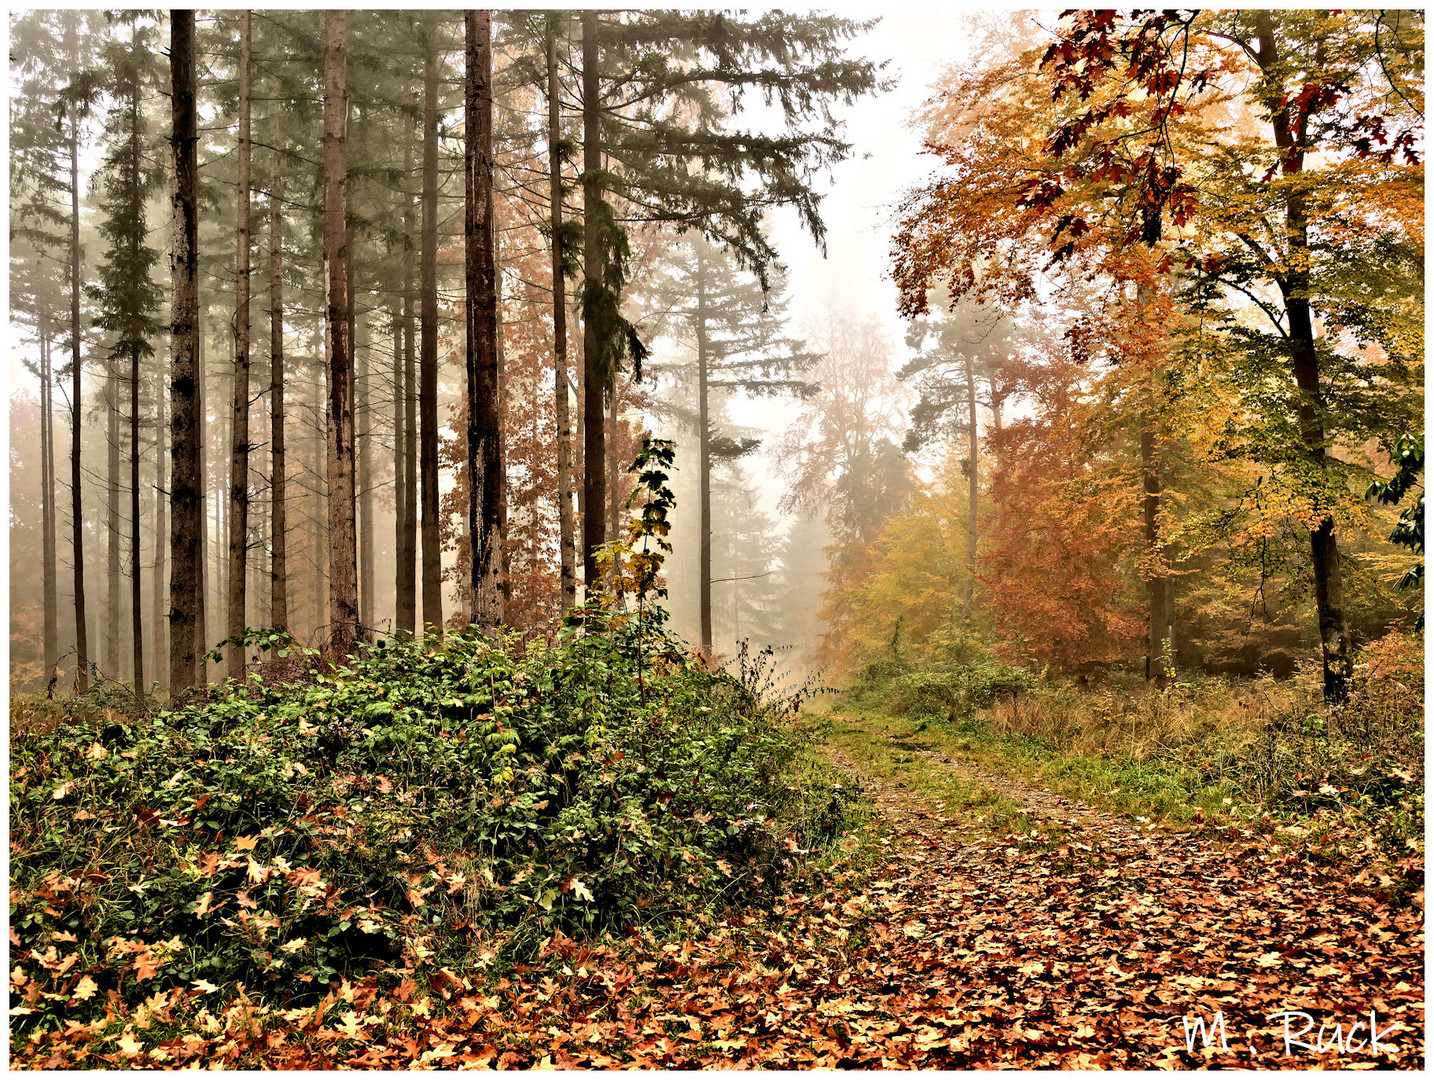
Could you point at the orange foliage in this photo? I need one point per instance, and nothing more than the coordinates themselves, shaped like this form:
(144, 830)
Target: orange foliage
(1063, 531)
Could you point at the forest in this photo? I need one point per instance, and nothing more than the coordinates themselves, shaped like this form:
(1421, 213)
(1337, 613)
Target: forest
(691, 538)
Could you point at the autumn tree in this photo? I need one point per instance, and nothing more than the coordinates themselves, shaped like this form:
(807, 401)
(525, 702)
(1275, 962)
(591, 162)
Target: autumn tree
(1272, 158)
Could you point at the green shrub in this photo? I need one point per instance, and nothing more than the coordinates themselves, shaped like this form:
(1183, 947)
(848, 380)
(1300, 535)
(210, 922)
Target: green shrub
(957, 691)
(386, 813)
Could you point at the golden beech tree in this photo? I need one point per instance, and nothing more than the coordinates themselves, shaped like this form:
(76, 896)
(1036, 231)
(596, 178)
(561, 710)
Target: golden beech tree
(897, 597)
(1064, 531)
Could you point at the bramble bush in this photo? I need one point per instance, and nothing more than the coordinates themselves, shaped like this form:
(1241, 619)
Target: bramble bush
(394, 812)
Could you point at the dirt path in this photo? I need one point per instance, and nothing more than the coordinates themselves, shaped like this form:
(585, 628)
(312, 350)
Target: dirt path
(1095, 951)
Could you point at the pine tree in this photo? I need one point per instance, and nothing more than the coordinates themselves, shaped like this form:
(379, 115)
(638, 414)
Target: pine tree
(655, 86)
(127, 293)
(239, 436)
(739, 344)
(343, 551)
(485, 465)
(185, 505)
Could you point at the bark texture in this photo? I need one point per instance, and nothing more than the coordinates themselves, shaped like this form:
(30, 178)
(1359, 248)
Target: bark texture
(343, 552)
(594, 262)
(432, 573)
(567, 573)
(239, 452)
(485, 466)
(185, 507)
(278, 483)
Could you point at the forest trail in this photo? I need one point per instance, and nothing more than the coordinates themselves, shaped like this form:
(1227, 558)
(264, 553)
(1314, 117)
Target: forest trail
(1089, 941)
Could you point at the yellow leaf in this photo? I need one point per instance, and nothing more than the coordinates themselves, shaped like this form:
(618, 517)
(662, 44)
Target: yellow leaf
(85, 989)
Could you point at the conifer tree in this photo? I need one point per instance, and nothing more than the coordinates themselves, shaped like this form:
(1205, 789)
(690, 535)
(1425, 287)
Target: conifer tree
(739, 344)
(656, 86)
(343, 549)
(127, 294)
(185, 506)
(485, 465)
(239, 437)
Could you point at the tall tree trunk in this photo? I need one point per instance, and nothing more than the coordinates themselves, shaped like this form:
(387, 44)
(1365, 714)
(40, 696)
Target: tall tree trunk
(432, 573)
(136, 540)
(158, 582)
(278, 482)
(1159, 642)
(405, 389)
(614, 466)
(47, 508)
(594, 265)
(113, 613)
(185, 506)
(320, 499)
(201, 614)
(405, 595)
(500, 408)
(485, 465)
(567, 574)
(973, 447)
(1290, 121)
(704, 463)
(1158, 632)
(239, 460)
(82, 640)
(343, 554)
(219, 562)
(136, 594)
(363, 451)
(400, 468)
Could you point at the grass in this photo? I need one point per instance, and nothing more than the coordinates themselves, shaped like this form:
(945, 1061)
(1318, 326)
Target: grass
(891, 749)
(1342, 787)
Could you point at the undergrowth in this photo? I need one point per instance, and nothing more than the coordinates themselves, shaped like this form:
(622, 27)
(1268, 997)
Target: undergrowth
(403, 812)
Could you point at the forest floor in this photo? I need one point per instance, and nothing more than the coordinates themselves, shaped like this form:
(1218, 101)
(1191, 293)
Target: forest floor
(978, 922)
